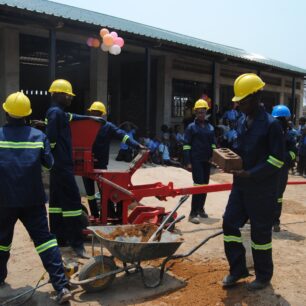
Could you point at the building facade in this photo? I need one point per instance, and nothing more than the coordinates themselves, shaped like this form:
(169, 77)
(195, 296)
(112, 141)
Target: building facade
(149, 83)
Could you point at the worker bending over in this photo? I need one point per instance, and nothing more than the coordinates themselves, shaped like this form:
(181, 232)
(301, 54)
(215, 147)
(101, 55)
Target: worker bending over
(100, 150)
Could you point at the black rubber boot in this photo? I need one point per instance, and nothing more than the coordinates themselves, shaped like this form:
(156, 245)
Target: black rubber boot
(231, 280)
(257, 285)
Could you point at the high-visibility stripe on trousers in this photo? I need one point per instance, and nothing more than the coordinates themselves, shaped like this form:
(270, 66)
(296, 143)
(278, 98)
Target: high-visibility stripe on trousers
(34, 218)
(244, 204)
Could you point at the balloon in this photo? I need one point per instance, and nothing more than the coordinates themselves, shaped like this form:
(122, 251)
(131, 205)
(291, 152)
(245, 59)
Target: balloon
(89, 41)
(95, 43)
(104, 32)
(104, 48)
(114, 50)
(119, 41)
(108, 40)
(114, 34)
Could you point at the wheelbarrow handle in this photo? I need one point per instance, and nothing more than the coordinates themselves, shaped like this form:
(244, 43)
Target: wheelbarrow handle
(181, 201)
(180, 218)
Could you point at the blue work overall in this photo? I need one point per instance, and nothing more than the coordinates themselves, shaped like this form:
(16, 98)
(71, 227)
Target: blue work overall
(23, 152)
(261, 147)
(100, 150)
(199, 142)
(65, 208)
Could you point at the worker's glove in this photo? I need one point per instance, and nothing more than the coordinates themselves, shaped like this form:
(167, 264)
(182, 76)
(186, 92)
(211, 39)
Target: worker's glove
(240, 173)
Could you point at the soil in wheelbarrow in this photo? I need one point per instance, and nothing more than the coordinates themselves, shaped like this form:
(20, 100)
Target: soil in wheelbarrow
(145, 231)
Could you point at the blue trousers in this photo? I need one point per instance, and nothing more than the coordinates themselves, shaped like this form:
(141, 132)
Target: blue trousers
(35, 221)
(200, 176)
(65, 208)
(257, 203)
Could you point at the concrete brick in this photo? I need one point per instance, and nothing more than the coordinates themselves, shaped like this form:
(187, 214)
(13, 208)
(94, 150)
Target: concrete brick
(226, 159)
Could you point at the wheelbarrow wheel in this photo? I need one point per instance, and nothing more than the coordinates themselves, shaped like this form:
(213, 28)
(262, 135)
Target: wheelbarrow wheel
(96, 266)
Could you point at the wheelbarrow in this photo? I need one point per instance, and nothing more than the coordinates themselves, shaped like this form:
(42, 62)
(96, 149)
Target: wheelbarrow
(100, 271)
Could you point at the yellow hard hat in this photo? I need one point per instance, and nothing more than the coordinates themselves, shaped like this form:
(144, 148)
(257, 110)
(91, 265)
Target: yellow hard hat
(17, 105)
(201, 104)
(61, 86)
(98, 106)
(247, 84)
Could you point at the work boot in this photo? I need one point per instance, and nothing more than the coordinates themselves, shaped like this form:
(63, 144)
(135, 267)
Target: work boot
(63, 296)
(231, 280)
(257, 285)
(193, 219)
(81, 252)
(276, 228)
(203, 214)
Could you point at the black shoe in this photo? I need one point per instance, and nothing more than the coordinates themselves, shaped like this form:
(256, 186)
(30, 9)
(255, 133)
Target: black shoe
(81, 252)
(2, 283)
(231, 280)
(203, 214)
(257, 285)
(63, 296)
(276, 228)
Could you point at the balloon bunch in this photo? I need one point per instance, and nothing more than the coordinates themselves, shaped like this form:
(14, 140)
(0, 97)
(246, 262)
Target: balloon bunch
(111, 42)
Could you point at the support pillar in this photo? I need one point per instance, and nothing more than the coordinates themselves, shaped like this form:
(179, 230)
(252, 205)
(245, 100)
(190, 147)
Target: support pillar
(9, 65)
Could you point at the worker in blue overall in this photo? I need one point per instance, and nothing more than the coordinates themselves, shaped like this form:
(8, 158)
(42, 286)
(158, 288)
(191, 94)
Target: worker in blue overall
(23, 151)
(100, 150)
(199, 142)
(282, 113)
(65, 208)
(260, 144)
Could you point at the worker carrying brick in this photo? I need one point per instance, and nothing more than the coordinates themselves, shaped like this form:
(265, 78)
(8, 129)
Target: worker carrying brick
(65, 208)
(100, 150)
(23, 151)
(283, 114)
(260, 144)
(199, 142)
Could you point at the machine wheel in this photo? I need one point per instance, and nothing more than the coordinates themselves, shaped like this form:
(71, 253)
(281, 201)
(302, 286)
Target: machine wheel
(96, 266)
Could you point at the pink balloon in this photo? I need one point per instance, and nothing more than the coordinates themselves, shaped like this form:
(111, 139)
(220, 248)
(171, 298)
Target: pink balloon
(119, 41)
(89, 41)
(114, 34)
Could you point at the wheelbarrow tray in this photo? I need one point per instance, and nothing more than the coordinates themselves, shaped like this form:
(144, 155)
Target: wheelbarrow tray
(128, 250)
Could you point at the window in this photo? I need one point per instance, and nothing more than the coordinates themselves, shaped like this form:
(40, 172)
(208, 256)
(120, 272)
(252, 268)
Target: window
(184, 92)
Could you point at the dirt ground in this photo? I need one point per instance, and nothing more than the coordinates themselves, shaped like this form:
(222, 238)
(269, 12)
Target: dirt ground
(203, 271)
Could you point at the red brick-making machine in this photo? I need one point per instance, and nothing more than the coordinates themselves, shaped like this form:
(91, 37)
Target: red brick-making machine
(117, 189)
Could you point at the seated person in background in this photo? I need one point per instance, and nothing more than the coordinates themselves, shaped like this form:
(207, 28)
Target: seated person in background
(164, 153)
(126, 153)
(231, 136)
(231, 115)
(152, 144)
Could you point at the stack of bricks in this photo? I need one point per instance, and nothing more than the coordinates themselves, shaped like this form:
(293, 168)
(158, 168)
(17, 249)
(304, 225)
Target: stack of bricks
(226, 159)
